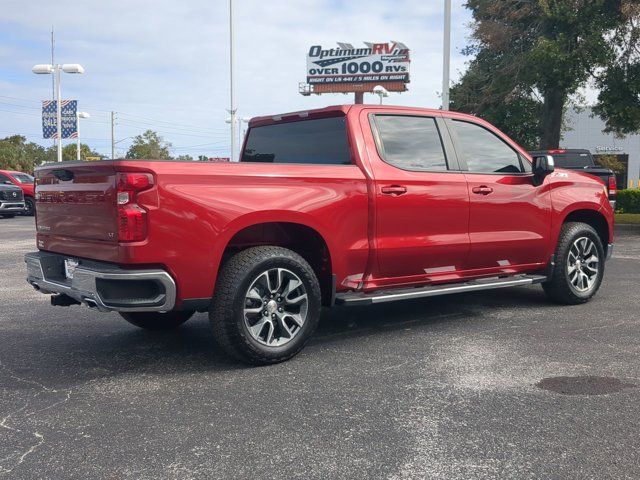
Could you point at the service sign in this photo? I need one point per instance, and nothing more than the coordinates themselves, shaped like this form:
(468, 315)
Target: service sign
(68, 110)
(375, 62)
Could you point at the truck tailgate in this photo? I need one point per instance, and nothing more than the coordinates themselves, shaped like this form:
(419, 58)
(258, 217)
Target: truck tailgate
(77, 201)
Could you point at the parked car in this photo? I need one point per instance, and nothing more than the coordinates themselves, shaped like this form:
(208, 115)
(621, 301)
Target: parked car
(582, 160)
(25, 182)
(11, 201)
(347, 205)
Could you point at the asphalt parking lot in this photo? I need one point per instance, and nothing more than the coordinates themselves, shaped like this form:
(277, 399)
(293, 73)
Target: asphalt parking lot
(438, 388)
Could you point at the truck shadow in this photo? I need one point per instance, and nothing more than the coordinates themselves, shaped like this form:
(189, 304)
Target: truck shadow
(449, 310)
(106, 349)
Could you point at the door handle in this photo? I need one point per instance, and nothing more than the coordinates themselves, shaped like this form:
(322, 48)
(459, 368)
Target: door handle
(482, 190)
(394, 190)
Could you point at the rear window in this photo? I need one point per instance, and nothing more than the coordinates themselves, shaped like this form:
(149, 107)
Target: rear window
(321, 142)
(23, 177)
(573, 160)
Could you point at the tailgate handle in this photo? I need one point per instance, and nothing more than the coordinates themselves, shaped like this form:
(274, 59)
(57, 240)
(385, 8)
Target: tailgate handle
(394, 190)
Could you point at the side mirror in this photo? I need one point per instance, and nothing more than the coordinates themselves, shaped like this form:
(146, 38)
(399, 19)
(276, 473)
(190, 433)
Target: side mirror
(542, 166)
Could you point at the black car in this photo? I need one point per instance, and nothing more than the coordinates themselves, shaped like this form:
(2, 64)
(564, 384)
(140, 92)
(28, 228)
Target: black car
(577, 159)
(11, 201)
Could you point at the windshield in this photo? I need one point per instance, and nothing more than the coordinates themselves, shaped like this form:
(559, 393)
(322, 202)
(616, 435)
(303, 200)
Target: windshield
(23, 177)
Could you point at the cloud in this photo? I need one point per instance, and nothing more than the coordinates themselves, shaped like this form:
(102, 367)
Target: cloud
(169, 60)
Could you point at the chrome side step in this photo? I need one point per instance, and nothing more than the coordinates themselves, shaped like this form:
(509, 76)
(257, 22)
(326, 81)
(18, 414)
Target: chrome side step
(361, 298)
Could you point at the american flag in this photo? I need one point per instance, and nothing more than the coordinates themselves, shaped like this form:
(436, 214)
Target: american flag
(68, 109)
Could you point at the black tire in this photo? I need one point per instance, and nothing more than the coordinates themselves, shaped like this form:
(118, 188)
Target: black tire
(30, 207)
(559, 287)
(227, 312)
(157, 320)
(10, 215)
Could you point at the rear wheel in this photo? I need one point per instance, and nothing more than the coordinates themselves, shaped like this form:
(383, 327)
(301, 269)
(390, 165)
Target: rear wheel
(157, 320)
(266, 305)
(579, 265)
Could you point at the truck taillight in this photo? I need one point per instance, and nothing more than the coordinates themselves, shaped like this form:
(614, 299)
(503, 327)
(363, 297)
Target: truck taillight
(612, 186)
(132, 218)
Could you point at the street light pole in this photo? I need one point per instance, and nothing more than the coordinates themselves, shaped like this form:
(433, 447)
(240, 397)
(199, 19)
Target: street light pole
(58, 111)
(240, 135)
(232, 108)
(56, 69)
(79, 115)
(446, 56)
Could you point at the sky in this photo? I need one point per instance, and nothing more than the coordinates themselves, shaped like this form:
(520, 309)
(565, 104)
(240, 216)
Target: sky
(164, 65)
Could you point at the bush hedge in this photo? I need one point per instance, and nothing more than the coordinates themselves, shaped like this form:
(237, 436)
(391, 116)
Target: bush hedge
(628, 201)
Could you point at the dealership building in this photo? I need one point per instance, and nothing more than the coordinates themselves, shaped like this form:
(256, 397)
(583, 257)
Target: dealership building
(585, 130)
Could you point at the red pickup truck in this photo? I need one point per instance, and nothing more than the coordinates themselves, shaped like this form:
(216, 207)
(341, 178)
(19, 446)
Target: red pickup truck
(344, 205)
(25, 182)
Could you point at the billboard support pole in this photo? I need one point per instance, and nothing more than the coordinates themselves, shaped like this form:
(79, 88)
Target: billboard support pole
(446, 56)
(232, 107)
(359, 98)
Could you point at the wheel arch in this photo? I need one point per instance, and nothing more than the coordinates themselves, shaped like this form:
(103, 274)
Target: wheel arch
(593, 218)
(299, 236)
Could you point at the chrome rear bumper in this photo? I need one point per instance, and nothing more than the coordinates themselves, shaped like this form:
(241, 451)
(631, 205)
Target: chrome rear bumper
(101, 285)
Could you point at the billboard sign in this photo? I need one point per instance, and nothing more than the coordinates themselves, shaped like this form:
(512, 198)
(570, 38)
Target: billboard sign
(69, 119)
(375, 63)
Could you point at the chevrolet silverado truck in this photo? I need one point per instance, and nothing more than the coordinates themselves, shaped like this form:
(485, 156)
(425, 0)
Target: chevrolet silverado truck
(11, 201)
(346, 205)
(582, 160)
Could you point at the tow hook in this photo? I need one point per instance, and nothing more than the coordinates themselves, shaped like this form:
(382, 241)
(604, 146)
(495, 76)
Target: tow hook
(62, 300)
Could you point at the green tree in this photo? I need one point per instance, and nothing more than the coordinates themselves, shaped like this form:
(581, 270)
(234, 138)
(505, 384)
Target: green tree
(149, 145)
(69, 152)
(531, 57)
(185, 158)
(611, 162)
(18, 154)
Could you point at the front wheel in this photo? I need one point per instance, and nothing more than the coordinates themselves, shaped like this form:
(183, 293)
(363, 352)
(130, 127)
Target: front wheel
(157, 320)
(579, 265)
(29, 207)
(266, 305)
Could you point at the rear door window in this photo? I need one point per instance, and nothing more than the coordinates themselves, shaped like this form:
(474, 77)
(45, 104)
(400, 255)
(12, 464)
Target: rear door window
(320, 141)
(410, 142)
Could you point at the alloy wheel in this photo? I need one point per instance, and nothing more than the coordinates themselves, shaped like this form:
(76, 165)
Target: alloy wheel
(275, 307)
(583, 264)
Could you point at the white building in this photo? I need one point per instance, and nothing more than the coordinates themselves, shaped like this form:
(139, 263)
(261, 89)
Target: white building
(586, 131)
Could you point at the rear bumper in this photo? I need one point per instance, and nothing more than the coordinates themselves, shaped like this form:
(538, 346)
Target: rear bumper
(11, 207)
(102, 285)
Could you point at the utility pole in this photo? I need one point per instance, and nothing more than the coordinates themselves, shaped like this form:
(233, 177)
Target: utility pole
(232, 107)
(446, 56)
(113, 138)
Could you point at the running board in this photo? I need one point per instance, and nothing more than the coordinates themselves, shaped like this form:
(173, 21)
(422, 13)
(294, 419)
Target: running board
(361, 298)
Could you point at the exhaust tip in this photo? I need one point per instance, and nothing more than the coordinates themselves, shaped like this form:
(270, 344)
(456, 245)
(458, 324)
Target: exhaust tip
(62, 300)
